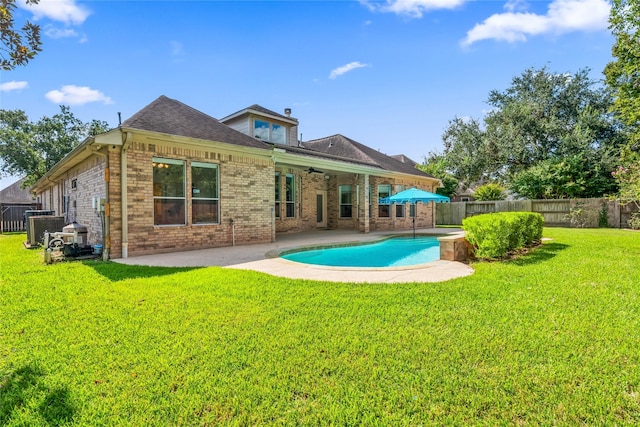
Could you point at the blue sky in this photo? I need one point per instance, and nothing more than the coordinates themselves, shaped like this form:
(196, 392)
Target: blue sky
(389, 74)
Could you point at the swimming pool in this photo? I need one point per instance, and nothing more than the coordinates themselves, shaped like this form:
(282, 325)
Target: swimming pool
(393, 252)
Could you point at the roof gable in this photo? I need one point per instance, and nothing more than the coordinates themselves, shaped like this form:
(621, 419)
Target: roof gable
(166, 115)
(339, 145)
(16, 194)
(260, 110)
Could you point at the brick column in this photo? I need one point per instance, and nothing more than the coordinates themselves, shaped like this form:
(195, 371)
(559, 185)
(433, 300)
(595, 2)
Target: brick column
(363, 209)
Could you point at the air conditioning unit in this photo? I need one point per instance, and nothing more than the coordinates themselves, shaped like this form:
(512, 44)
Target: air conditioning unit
(29, 213)
(39, 224)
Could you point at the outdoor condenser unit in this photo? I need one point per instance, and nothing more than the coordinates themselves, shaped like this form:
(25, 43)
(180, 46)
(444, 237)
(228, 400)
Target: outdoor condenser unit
(39, 224)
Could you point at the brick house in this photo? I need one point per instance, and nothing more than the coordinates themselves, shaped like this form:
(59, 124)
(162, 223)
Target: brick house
(189, 181)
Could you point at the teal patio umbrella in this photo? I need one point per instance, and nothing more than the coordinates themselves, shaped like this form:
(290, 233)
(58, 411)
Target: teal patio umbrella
(414, 196)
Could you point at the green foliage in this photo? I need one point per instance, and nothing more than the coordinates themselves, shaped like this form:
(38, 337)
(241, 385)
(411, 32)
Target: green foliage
(628, 179)
(436, 166)
(30, 149)
(18, 46)
(495, 235)
(540, 340)
(623, 73)
(561, 178)
(488, 192)
(541, 117)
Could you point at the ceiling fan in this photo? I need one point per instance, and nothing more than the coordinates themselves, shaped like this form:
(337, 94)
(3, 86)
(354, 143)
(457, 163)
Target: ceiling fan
(312, 170)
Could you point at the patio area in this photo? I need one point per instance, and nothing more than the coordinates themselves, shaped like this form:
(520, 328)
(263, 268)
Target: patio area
(264, 258)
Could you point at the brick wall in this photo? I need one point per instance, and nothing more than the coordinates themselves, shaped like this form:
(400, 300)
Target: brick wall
(246, 196)
(89, 184)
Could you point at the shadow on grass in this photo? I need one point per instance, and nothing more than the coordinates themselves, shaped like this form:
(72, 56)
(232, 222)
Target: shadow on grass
(116, 272)
(539, 254)
(23, 385)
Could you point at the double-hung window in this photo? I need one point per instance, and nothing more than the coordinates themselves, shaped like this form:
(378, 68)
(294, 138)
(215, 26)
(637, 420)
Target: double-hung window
(412, 210)
(290, 195)
(346, 201)
(169, 199)
(384, 209)
(205, 203)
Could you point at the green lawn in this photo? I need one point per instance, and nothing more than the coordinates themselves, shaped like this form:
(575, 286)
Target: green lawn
(552, 338)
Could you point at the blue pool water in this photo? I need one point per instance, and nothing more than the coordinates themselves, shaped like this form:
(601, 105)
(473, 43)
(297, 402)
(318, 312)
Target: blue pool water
(394, 252)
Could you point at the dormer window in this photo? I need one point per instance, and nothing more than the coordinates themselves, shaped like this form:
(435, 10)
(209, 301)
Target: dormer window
(269, 132)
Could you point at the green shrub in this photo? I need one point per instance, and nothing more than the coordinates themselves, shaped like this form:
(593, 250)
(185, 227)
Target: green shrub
(495, 235)
(489, 192)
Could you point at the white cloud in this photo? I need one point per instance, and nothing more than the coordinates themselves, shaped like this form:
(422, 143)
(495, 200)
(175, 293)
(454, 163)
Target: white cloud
(412, 8)
(516, 5)
(346, 68)
(563, 16)
(59, 33)
(12, 85)
(66, 11)
(77, 95)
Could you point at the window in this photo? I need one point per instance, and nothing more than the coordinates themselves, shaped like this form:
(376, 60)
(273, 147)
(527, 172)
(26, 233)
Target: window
(74, 184)
(412, 210)
(346, 201)
(168, 192)
(269, 132)
(277, 207)
(205, 203)
(384, 211)
(290, 195)
(399, 211)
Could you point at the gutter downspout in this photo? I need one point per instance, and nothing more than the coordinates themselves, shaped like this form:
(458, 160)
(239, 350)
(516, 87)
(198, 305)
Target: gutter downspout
(126, 142)
(106, 236)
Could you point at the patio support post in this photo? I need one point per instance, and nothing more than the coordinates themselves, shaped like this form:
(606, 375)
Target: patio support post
(363, 209)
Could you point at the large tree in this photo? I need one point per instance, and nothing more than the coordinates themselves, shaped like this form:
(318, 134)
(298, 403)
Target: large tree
(436, 166)
(30, 149)
(623, 73)
(18, 45)
(541, 117)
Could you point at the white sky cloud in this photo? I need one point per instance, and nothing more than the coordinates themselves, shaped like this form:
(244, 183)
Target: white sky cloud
(77, 95)
(563, 16)
(12, 85)
(346, 68)
(66, 11)
(412, 8)
(59, 33)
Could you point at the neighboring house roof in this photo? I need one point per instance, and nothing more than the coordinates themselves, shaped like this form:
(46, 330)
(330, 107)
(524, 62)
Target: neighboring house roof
(16, 194)
(404, 159)
(341, 146)
(255, 108)
(172, 117)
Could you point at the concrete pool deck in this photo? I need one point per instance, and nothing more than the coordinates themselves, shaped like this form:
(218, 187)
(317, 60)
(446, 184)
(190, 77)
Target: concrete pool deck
(263, 258)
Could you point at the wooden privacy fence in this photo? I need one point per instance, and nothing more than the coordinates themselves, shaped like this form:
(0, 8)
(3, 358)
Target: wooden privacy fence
(585, 212)
(12, 216)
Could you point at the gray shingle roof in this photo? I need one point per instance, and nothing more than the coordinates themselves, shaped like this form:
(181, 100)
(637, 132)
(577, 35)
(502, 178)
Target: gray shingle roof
(339, 145)
(16, 194)
(172, 117)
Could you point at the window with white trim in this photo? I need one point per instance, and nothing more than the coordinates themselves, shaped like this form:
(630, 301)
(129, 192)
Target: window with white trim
(205, 198)
(169, 196)
(269, 132)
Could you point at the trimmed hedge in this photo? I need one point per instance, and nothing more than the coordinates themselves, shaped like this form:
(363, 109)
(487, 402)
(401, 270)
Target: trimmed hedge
(494, 235)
